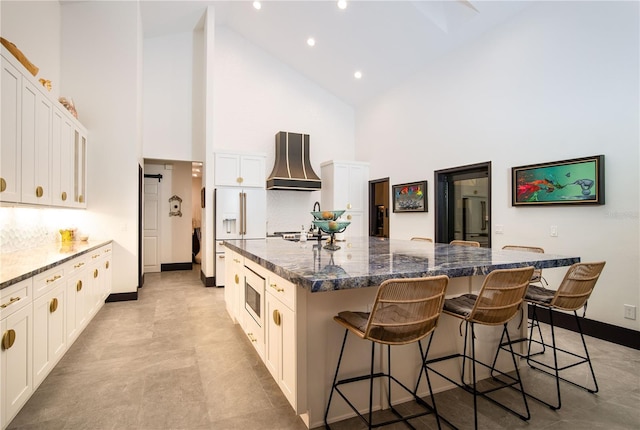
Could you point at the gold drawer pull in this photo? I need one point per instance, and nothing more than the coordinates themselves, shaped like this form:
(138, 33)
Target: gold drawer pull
(54, 279)
(277, 318)
(95, 273)
(75, 266)
(81, 199)
(251, 337)
(8, 338)
(11, 300)
(95, 256)
(275, 287)
(64, 196)
(78, 286)
(53, 306)
(107, 250)
(3, 185)
(39, 191)
(237, 279)
(106, 264)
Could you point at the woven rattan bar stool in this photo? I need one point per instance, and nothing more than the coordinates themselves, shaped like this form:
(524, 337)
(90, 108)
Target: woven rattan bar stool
(405, 311)
(472, 243)
(499, 300)
(572, 294)
(537, 273)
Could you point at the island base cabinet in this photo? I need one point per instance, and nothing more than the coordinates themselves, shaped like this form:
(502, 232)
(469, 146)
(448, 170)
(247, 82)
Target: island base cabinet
(280, 353)
(16, 358)
(49, 335)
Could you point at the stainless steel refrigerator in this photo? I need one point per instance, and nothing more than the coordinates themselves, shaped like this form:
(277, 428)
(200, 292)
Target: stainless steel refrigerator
(240, 213)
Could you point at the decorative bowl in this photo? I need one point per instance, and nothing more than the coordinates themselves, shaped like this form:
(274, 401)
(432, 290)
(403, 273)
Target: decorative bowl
(331, 226)
(327, 215)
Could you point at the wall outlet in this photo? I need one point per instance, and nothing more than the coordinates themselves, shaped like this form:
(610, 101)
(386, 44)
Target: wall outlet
(553, 231)
(630, 312)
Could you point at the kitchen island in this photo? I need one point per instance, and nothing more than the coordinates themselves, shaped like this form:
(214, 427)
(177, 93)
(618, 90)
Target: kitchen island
(285, 294)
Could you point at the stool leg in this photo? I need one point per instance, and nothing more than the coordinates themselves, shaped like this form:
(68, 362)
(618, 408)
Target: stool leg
(335, 378)
(475, 388)
(586, 353)
(424, 356)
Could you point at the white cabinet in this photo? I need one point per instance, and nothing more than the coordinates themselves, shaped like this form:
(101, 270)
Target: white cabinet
(10, 172)
(49, 335)
(99, 279)
(234, 283)
(280, 336)
(234, 169)
(16, 353)
(344, 186)
(43, 147)
(76, 297)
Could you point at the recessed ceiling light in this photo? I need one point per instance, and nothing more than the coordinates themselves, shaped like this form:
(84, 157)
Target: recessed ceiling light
(342, 4)
(311, 41)
(257, 5)
(357, 74)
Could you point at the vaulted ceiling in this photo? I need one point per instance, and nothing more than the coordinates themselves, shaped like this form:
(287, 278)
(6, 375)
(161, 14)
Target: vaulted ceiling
(387, 41)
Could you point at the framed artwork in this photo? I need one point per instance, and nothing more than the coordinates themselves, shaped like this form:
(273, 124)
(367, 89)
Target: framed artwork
(411, 197)
(576, 181)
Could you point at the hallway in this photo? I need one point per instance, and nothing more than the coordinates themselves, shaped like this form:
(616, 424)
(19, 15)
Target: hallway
(174, 360)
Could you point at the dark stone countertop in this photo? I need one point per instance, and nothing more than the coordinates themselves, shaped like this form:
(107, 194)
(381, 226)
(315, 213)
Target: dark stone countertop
(367, 261)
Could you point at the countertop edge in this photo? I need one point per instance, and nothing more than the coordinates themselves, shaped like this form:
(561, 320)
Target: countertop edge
(64, 258)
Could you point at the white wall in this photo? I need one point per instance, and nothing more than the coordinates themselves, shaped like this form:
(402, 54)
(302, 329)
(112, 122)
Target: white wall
(101, 59)
(559, 81)
(34, 27)
(257, 96)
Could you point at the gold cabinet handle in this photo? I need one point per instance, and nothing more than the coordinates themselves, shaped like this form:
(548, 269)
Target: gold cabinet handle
(348, 205)
(39, 191)
(221, 257)
(251, 337)
(11, 300)
(8, 338)
(275, 287)
(240, 179)
(106, 264)
(63, 196)
(54, 279)
(237, 279)
(95, 256)
(95, 273)
(236, 260)
(277, 317)
(75, 266)
(107, 250)
(81, 199)
(53, 305)
(349, 217)
(3, 185)
(78, 285)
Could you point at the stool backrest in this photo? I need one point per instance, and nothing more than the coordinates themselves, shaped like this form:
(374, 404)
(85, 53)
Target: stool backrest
(424, 239)
(501, 296)
(472, 243)
(537, 273)
(577, 285)
(406, 310)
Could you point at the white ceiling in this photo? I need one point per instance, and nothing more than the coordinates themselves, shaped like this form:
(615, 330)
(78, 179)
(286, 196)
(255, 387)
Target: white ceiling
(387, 40)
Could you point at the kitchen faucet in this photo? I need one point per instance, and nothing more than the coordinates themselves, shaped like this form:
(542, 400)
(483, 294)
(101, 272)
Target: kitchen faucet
(315, 231)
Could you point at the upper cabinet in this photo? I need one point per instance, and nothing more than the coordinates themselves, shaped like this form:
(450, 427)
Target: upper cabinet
(43, 147)
(344, 187)
(239, 170)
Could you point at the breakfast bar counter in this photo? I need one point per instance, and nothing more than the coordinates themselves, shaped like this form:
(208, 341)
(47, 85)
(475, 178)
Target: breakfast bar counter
(284, 294)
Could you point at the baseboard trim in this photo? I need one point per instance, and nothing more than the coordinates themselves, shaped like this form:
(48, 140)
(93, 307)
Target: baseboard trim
(175, 266)
(122, 297)
(207, 281)
(609, 332)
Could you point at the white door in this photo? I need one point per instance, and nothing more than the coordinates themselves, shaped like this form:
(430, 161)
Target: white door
(151, 222)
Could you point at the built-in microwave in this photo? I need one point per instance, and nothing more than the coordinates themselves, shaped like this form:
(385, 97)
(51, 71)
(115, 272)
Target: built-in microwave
(254, 286)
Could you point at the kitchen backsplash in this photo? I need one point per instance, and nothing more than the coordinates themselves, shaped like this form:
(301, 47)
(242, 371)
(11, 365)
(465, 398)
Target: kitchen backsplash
(27, 227)
(289, 210)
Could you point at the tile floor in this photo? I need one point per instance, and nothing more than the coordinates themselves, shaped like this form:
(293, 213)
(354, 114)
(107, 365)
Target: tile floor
(173, 360)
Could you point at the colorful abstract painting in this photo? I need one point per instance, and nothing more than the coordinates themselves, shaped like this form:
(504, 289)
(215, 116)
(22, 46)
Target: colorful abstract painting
(575, 181)
(410, 197)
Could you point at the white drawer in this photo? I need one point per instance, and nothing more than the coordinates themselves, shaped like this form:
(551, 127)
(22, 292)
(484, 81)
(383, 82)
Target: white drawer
(75, 265)
(15, 297)
(48, 280)
(283, 290)
(220, 247)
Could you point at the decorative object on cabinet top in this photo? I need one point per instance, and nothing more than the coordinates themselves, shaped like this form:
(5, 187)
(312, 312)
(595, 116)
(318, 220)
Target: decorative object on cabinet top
(13, 49)
(69, 105)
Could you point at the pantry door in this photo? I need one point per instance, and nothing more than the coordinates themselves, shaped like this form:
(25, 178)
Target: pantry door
(151, 224)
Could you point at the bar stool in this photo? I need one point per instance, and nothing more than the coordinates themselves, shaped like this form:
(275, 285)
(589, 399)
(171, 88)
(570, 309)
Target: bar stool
(498, 301)
(405, 311)
(572, 294)
(472, 243)
(537, 273)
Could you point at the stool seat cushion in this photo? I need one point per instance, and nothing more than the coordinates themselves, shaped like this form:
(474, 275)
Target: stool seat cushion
(539, 294)
(356, 319)
(461, 305)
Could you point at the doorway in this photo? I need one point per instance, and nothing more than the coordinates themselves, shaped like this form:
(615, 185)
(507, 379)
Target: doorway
(463, 204)
(379, 207)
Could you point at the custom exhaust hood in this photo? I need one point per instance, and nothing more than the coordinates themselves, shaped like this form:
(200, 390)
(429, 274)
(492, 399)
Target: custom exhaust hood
(292, 169)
